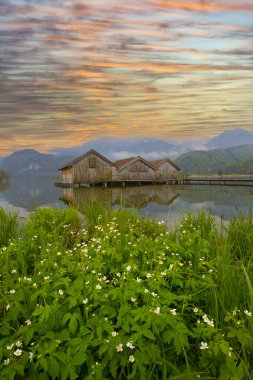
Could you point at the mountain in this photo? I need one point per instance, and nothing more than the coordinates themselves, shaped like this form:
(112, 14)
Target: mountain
(29, 162)
(234, 137)
(115, 149)
(230, 160)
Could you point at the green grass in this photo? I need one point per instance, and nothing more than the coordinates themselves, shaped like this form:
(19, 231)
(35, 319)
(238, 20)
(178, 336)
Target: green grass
(9, 226)
(113, 296)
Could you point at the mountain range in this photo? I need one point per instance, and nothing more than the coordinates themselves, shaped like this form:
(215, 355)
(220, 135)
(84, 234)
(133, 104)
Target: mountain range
(191, 156)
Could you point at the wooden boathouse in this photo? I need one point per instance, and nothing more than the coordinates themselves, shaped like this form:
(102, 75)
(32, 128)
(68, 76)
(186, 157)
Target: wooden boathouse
(92, 168)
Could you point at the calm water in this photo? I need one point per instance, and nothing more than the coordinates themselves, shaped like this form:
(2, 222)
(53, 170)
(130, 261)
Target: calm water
(159, 201)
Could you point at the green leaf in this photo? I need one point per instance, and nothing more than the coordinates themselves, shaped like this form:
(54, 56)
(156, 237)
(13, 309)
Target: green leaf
(73, 325)
(44, 363)
(114, 366)
(54, 368)
(79, 358)
(148, 334)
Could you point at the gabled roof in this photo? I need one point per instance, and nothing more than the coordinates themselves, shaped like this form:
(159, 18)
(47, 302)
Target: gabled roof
(91, 151)
(121, 164)
(158, 163)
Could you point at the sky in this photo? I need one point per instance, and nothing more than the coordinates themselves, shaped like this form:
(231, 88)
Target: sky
(74, 71)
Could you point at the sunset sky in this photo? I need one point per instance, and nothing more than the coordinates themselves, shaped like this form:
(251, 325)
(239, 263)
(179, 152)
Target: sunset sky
(72, 71)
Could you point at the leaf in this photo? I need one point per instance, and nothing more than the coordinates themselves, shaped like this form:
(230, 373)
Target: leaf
(79, 358)
(44, 364)
(148, 334)
(73, 325)
(114, 366)
(54, 368)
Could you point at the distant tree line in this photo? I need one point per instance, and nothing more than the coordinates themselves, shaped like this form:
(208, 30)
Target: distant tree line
(3, 174)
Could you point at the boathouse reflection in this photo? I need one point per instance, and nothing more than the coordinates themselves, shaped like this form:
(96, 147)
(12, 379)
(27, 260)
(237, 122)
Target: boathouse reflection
(131, 197)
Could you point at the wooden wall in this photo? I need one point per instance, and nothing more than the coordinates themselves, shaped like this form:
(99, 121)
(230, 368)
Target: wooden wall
(67, 175)
(83, 173)
(166, 170)
(138, 170)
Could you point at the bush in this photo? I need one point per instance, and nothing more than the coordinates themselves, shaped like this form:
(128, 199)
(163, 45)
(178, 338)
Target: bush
(124, 299)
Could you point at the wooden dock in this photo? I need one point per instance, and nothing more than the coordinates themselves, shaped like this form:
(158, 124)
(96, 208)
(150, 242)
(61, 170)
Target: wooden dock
(218, 180)
(185, 179)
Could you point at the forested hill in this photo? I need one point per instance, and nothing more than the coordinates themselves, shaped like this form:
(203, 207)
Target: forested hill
(230, 160)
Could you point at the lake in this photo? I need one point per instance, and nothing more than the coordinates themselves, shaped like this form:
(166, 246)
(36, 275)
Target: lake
(164, 202)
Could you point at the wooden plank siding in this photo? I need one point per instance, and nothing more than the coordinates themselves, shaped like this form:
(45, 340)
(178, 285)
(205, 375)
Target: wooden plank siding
(93, 168)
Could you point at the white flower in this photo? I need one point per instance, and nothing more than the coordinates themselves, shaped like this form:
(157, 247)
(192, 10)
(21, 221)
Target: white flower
(138, 279)
(98, 287)
(248, 313)
(18, 344)
(30, 356)
(119, 348)
(58, 253)
(34, 285)
(10, 347)
(12, 291)
(18, 352)
(171, 266)
(6, 361)
(173, 311)
(8, 306)
(157, 310)
(85, 301)
(128, 268)
(204, 346)
(146, 290)
(13, 271)
(130, 345)
(133, 299)
(195, 310)
(114, 333)
(28, 322)
(60, 291)
(148, 275)
(154, 294)
(46, 278)
(131, 359)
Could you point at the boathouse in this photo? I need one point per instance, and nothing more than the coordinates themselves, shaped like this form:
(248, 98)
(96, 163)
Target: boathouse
(93, 168)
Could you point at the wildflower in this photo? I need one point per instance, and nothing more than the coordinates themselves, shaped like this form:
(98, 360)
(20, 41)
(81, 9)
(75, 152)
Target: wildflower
(6, 361)
(60, 291)
(98, 287)
(28, 322)
(157, 310)
(119, 348)
(173, 311)
(138, 279)
(12, 291)
(18, 352)
(146, 290)
(133, 299)
(128, 268)
(148, 275)
(207, 320)
(195, 310)
(46, 278)
(8, 306)
(114, 333)
(30, 356)
(18, 344)
(13, 271)
(171, 266)
(154, 294)
(204, 346)
(85, 301)
(118, 274)
(248, 313)
(10, 347)
(34, 285)
(130, 345)
(131, 359)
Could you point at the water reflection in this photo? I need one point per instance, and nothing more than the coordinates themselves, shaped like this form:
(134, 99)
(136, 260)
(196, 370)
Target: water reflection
(130, 197)
(155, 201)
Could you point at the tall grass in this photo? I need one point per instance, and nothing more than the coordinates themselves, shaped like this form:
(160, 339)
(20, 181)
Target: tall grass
(9, 226)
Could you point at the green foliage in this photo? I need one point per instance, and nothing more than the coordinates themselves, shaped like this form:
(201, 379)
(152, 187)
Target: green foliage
(229, 160)
(123, 298)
